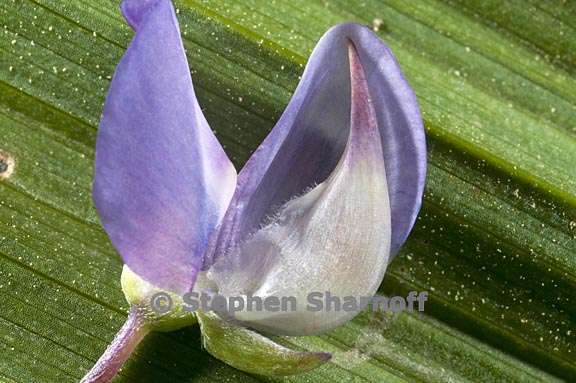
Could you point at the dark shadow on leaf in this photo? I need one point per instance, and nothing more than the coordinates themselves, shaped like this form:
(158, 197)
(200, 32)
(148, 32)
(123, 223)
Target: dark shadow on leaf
(176, 357)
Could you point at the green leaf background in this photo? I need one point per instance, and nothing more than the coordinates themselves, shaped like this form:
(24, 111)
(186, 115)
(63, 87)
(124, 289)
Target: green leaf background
(494, 244)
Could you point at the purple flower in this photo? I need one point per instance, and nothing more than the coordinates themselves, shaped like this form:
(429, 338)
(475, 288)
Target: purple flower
(323, 204)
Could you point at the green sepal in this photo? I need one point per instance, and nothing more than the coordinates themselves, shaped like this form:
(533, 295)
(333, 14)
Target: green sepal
(252, 352)
(140, 293)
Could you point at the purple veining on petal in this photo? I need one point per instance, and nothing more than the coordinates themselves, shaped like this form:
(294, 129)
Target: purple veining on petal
(309, 139)
(162, 180)
(363, 134)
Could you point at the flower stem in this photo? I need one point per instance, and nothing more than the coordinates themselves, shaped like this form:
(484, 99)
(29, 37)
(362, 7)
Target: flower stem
(124, 343)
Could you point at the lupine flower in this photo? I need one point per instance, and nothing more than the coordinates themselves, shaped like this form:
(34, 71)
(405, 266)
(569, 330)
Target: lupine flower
(323, 204)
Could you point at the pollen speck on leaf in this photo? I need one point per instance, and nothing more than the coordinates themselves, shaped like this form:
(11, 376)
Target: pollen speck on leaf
(376, 24)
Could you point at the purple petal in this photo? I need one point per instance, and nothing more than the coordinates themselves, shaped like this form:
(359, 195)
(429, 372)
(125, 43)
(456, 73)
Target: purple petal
(309, 139)
(335, 237)
(162, 180)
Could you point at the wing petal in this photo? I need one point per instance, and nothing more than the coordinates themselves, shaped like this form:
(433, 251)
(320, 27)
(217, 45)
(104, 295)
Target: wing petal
(162, 180)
